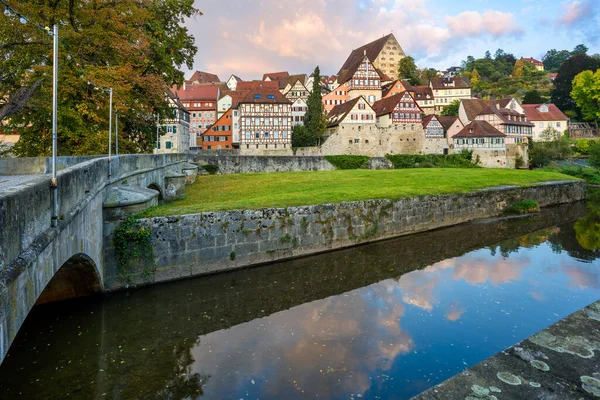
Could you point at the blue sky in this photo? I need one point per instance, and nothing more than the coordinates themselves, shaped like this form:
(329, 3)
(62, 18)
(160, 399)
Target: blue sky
(249, 38)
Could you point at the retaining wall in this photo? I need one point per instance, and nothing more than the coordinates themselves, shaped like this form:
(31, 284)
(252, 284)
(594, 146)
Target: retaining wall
(211, 242)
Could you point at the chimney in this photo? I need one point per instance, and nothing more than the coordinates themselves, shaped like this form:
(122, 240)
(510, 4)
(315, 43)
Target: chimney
(497, 105)
(184, 84)
(365, 52)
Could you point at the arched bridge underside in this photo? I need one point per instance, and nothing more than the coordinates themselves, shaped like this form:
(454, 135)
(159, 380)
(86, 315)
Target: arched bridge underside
(40, 263)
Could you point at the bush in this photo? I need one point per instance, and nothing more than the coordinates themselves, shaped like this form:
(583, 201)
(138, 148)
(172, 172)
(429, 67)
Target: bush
(595, 155)
(460, 160)
(348, 162)
(301, 137)
(519, 162)
(210, 168)
(522, 207)
(584, 146)
(541, 153)
(590, 175)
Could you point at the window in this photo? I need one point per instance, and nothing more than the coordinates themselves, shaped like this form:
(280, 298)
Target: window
(558, 124)
(257, 96)
(235, 113)
(361, 106)
(266, 135)
(168, 145)
(248, 135)
(276, 135)
(356, 141)
(256, 121)
(257, 135)
(272, 97)
(285, 134)
(199, 115)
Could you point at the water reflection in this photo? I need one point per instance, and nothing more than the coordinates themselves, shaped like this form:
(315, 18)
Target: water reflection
(386, 320)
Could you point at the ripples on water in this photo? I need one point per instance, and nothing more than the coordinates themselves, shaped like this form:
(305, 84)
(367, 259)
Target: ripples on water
(386, 320)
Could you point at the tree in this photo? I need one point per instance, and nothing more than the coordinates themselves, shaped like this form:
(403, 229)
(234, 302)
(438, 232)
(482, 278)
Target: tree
(407, 69)
(586, 94)
(315, 120)
(427, 73)
(451, 109)
(579, 50)
(475, 78)
(301, 137)
(553, 59)
(134, 46)
(488, 55)
(532, 97)
(561, 94)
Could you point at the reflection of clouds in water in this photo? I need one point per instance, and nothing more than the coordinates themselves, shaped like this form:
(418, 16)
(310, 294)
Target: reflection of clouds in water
(454, 312)
(537, 295)
(327, 347)
(580, 276)
(418, 286)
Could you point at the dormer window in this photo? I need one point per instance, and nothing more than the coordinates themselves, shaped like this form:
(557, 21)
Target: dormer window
(543, 108)
(257, 96)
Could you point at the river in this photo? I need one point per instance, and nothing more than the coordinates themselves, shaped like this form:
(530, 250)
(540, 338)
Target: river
(386, 320)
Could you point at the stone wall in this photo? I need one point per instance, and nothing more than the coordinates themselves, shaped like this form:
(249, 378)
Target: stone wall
(232, 164)
(39, 165)
(205, 243)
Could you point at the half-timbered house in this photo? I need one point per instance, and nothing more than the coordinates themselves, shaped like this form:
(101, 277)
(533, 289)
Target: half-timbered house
(362, 79)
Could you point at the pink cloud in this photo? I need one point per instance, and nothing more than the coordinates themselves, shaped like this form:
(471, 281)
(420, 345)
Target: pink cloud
(473, 23)
(574, 11)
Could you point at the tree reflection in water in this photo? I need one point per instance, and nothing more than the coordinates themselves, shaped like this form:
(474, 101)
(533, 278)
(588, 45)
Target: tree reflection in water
(587, 229)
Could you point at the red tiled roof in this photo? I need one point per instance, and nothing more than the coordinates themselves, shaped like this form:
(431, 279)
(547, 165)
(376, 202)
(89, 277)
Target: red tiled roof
(427, 119)
(504, 113)
(339, 112)
(252, 85)
(421, 92)
(479, 129)
(534, 114)
(387, 105)
(372, 51)
(275, 75)
(447, 121)
(204, 77)
(264, 95)
(460, 82)
(532, 60)
(199, 92)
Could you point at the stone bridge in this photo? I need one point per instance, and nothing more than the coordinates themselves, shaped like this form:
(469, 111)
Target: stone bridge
(40, 263)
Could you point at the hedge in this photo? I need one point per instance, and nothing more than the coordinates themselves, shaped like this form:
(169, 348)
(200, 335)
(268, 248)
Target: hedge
(461, 160)
(348, 162)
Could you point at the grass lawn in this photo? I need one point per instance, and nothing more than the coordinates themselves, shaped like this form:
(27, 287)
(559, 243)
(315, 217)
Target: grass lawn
(282, 189)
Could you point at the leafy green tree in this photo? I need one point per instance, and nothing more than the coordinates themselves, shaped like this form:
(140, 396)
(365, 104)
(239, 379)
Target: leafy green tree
(553, 59)
(586, 94)
(135, 47)
(488, 55)
(451, 109)
(315, 120)
(301, 137)
(563, 84)
(532, 97)
(579, 50)
(426, 74)
(407, 69)
(594, 152)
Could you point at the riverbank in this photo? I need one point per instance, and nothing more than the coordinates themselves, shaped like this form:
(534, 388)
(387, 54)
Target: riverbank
(210, 242)
(291, 189)
(560, 362)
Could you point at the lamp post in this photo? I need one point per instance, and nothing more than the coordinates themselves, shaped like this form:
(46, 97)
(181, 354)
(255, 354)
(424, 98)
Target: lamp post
(54, 186)
(110, 91)
(117, 133)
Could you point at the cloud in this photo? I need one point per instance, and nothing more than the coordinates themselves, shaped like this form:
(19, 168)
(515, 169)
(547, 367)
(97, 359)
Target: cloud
(574, 12)
(251, 38)
(473, 23)
(454, 312)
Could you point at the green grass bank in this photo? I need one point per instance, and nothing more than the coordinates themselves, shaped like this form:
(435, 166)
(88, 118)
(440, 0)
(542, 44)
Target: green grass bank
(284, 189)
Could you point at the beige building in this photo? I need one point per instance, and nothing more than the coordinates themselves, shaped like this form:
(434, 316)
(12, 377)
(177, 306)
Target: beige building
(424, 97)
(446, 90)
(174, 130)
(544, 116)
(486, 142)
(362, 80)
(385, 53)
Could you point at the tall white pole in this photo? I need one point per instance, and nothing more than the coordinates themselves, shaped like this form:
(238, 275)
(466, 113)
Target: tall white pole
(54, 128)
(117, 133)
(110, 91)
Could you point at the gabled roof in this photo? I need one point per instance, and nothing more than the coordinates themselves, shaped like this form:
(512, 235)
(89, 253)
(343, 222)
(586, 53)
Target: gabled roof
(386, 106)
(199, 92)
(460, 82)
(237, 78)
(257, 85)
(372, 50)
(339, 112)
(236, 96)
(173, 97)
(421, 92)
(291, 80)
(504, 115)
(533, 60)
(448, 121)
(428, 119)
(533, 113)
(264, 95)
(474, 106)
(479, 129)
(346, 74)
(275, 75)
(204, 77)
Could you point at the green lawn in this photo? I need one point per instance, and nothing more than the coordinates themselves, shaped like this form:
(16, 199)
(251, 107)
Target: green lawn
(253, 191)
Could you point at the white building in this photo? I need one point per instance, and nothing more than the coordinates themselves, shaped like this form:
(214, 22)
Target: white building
(174, 131)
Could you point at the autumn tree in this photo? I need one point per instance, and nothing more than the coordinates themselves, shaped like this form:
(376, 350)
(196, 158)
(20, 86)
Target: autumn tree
(586, 94)
(563, 84)
(315, 120)
(134, 46)
(407, 69)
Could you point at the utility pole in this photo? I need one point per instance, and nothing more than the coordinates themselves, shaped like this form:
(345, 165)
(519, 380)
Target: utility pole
(117, 133)
(53, 184)
(110, 91)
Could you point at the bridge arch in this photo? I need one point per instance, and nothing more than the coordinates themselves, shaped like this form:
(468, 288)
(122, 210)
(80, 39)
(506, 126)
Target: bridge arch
(156, 186)
(77, 277)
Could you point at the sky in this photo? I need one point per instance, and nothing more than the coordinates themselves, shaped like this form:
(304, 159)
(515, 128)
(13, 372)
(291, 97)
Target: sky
(252, 37)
